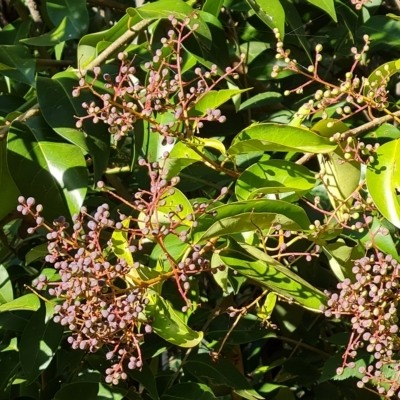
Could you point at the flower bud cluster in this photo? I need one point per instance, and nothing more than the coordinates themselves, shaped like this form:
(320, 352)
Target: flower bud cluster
(371, 302)
(166, 91)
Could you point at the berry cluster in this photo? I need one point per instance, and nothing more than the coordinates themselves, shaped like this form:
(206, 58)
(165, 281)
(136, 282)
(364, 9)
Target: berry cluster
(359, 94)
(166, 91)
(371, 301)
(104, 295)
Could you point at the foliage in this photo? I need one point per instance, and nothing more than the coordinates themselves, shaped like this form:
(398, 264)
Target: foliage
(199, 200)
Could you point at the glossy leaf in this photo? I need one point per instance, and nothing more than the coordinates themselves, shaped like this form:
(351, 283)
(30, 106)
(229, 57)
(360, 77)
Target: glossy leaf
(273, 176)
(271, 13)
(248, 329)
(8, 189)
(66, 30)
(38, 345)
(180, 10)
(250, 215)
(380, 77)
(265, 311)
(213, 6)
(120, 245)
(6, 290)
(61, 116)
(55, 173)
(36, 253)
(341, 177)
(146, 378)
(189, 391)
(261, 100)
(382, 32)
(255, 264)
(17, 63)
(221, 373)
(27, 302)
(75, 11)
(89, 390)
(213, 99)
(327, 6)
(383, 179)
(276, 137)
(168, 325)
(10, 366)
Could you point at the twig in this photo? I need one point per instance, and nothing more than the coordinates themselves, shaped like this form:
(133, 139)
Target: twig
(129, 35)
(369, 125)
(23, 117)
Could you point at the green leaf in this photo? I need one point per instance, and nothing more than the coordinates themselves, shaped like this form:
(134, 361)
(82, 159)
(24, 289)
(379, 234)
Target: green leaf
(180, 10)
(17, 63)
(271, 13)
(213, 99)
(76, 11)
(146, 378)
(221, 373)
(14, 321)
(55, 173)
(8, 189)
(189, 391)
(255, 264)
(38, 345)
(380, 77)
(273, 176)
(250, 215)
(6, 290)
(213, 7)
(261, 100)
(383, 179)
(36, 253)
(63, 32)
(326, 5)
(247, 330)
(341, 177)
(382, 31)
(89, 390)
(341, 258)
(120, 245)
(61, 116)
(221, 277)
(9, 364)
(276, 137)
(13, 32)
(27, 302)
(265, 311)
(168, 325)
(180, 157)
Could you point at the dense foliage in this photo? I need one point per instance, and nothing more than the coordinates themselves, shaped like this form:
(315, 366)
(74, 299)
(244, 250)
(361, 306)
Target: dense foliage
(199, 200)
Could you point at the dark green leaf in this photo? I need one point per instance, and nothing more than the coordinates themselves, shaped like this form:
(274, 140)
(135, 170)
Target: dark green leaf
(271, 13)
(255, 264)
(261, 100)
(382, 31)
(26, 302)
(55, 173)
(61, 116)
(221, 373)
(326, 5)
(6, 290)
(146, 378)
(17, 63)
(90, 391)
(213, 6)
(276, 137)
(76, 11)
(8, 189)
(38, 345)
(189, 391)
(250, 215)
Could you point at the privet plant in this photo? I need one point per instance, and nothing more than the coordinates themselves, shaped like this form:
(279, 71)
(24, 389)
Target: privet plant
(199, 200)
